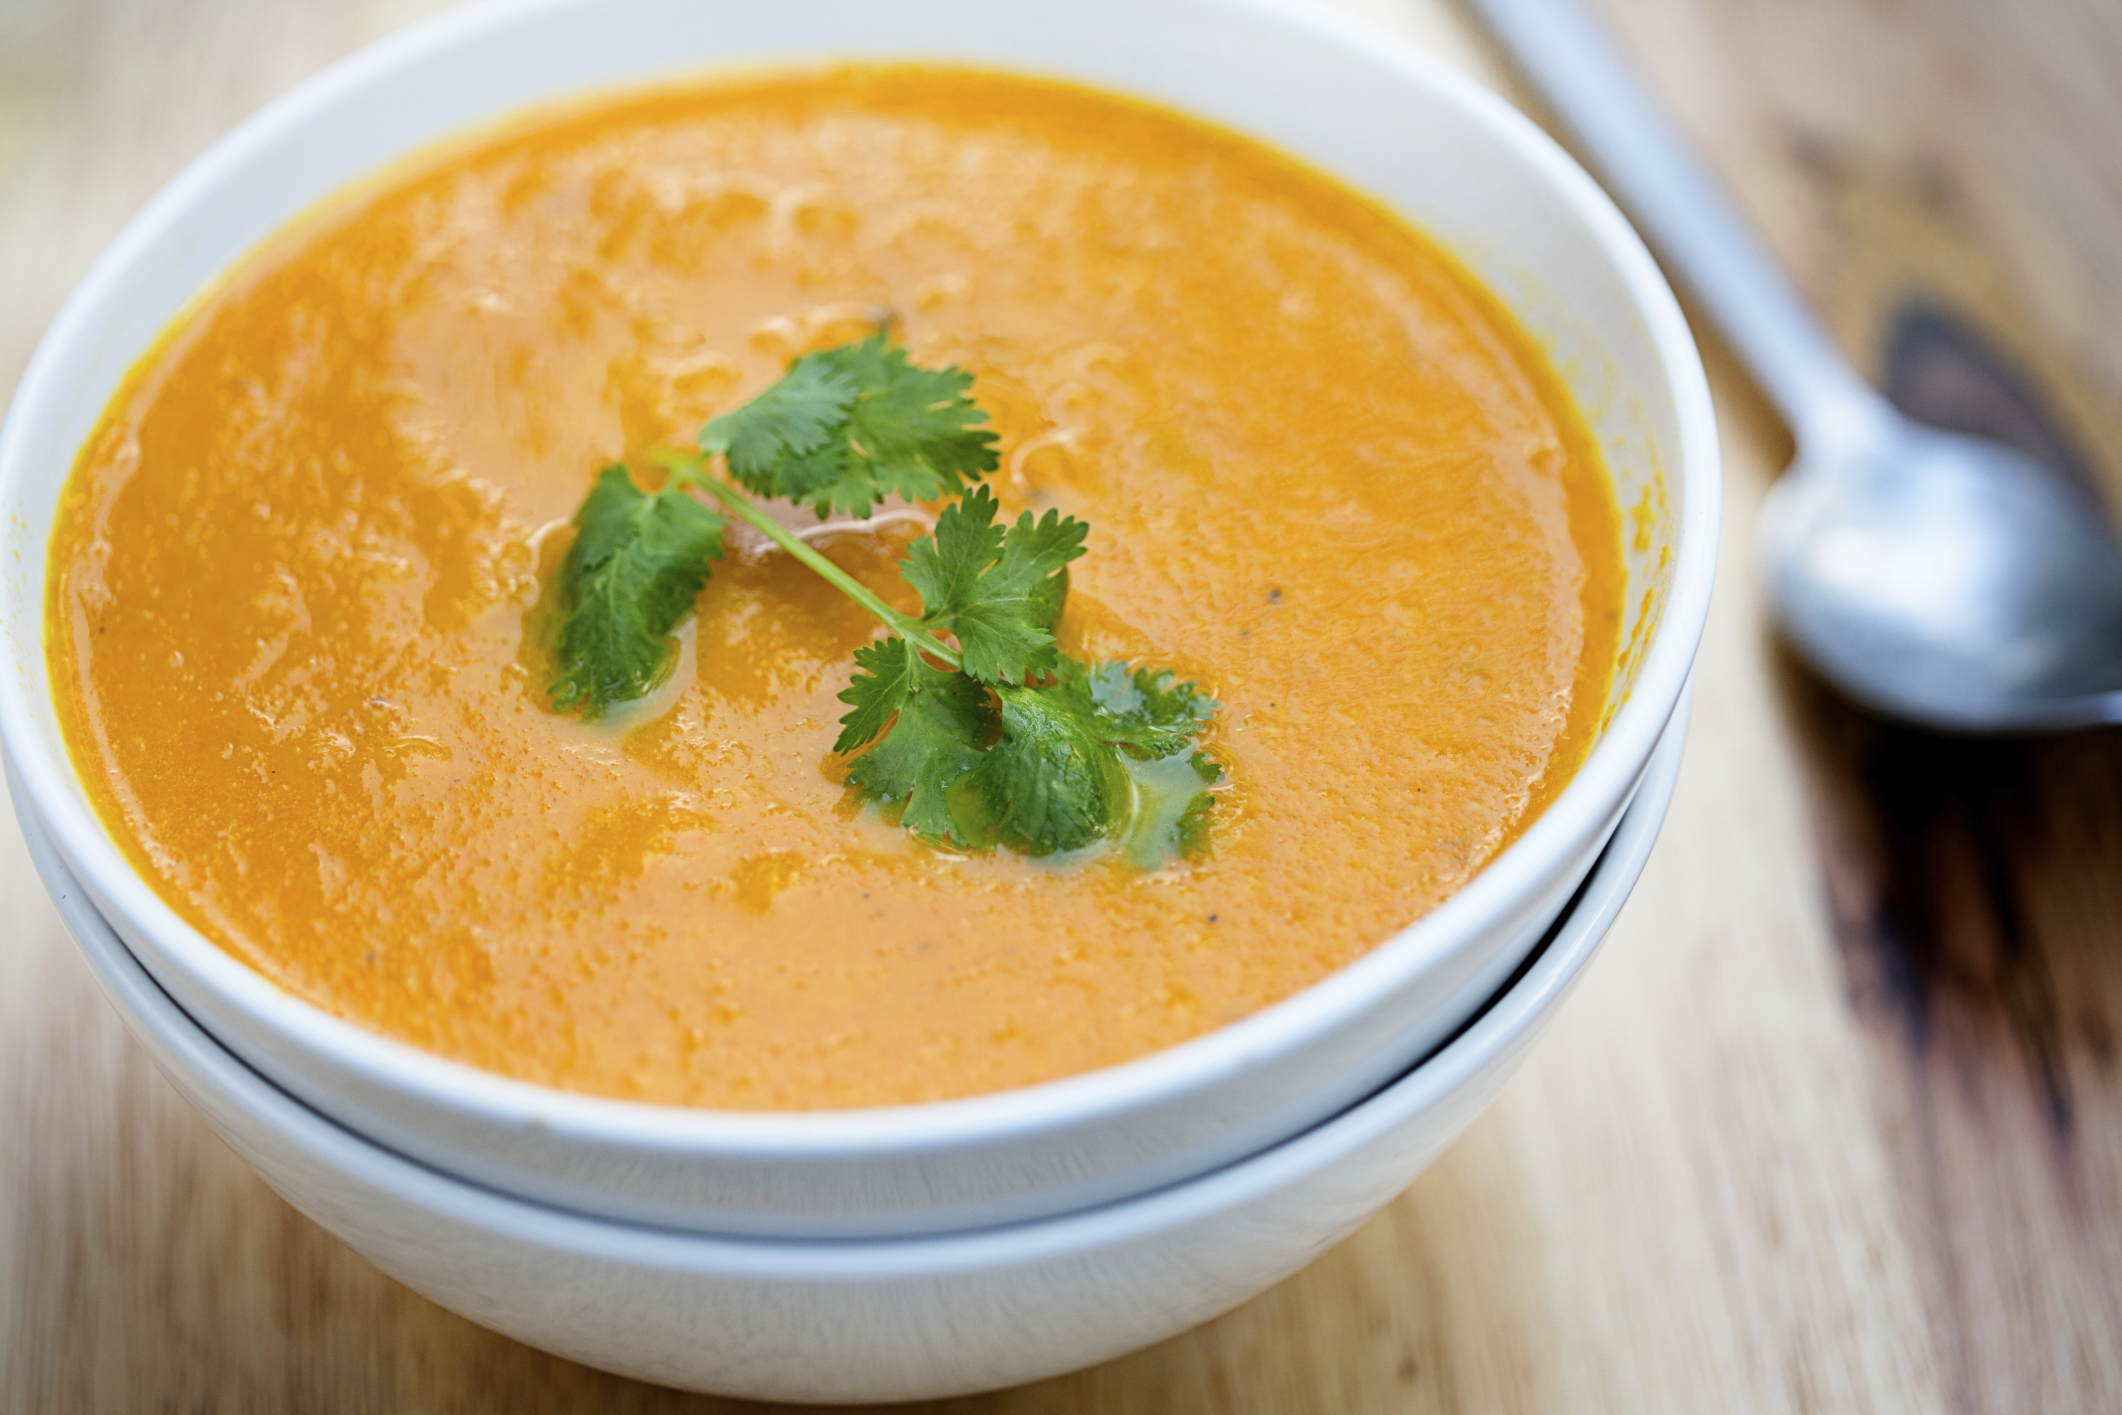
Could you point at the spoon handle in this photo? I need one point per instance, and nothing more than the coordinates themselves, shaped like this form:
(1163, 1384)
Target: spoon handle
(1584, 80)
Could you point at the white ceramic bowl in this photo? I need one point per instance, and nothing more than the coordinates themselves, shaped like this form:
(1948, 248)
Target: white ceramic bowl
(879, 1320)
(1456, 161)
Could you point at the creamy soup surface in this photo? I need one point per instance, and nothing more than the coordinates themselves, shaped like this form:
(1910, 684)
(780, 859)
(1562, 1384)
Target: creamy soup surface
(1324, 476)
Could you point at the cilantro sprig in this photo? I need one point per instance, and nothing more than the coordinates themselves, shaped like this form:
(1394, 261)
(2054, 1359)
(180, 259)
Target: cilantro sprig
(847, 427)
(638, 561)
(967, 718)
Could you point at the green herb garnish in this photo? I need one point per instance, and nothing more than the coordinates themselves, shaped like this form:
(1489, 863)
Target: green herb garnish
(844, 428)
(638, 561)
(978, 730)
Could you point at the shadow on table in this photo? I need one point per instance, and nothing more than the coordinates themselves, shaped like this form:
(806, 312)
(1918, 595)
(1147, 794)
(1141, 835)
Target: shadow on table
(1976, 893)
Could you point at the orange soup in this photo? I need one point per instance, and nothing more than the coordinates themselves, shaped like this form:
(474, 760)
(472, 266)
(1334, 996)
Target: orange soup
(1325, 476)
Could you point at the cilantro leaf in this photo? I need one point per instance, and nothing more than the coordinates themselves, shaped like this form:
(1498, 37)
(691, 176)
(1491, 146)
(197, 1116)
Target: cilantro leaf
(915, 428)
(638, 561)
(998, 590)
(816, 473)
(1144, 711)
(797, 418)
(1082, 758)
(1172, 807)
(1048, 783)
(937, 717)
(1155, 723)
(1094, 753)
(847, 427)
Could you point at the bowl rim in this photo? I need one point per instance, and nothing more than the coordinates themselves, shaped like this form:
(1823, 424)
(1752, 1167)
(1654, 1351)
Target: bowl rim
(1606, 777)
(1531, 998)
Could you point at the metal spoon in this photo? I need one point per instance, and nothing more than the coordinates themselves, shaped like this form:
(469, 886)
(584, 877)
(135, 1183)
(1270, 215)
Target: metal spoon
(1943, 579)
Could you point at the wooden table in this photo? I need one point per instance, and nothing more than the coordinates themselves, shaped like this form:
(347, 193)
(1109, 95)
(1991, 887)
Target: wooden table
(1834, 1124)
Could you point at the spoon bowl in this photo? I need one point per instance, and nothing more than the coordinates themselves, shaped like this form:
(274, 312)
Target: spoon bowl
(1946, 579)
(1934, 577)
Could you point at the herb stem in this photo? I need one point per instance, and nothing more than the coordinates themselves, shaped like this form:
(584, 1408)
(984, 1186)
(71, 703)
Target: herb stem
(743, 507)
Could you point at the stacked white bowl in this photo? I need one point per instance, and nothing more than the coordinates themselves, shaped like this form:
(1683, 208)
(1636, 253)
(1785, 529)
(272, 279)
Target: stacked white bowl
(914, 1250)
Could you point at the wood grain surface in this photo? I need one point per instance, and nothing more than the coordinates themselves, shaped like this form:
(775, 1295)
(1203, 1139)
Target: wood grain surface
(1834, 1123)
